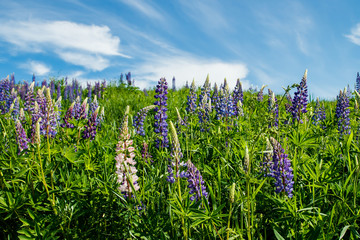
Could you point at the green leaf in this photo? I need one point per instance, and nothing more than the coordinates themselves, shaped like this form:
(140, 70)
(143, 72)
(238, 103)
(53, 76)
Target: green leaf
(343, 232)
(278, 236)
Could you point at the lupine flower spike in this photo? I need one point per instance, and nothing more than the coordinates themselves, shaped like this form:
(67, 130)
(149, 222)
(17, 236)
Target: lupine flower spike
(125, 163)
(160, 125)
(299, 102)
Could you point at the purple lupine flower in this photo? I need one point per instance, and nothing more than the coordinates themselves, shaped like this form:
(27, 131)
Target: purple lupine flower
(160, 125)
(90, 128)
(23, 90)
(93, 105)
(300, 100)
(288, 104)
(125, 163)
(128, 78)
(33, 77)
(348, 92)
(12, 81)
(238, 96)
(273, 109)
(191, 103)
(97, 89)
(319, 114)
(196, 183)
(139, 119)
(79, 94)
(21, 137)
(68, 116)
(121, 80)
(173, 84)
(279, 168)
(187, 85)
(58, 90)
(35, 116)
(260, 96)
(343, 114)
(71, 92)
(66, 92)
(145, 92)
(215, 96)
(89, 91)
(65, 81)
(103, 86)
(358, 82)
(204, 111)
(52, 88)
(145, 153)
(58, 109)
(5, 101)
(44, 83)
(205, 90)
(80, 110)
(30, 99)
(225, 107)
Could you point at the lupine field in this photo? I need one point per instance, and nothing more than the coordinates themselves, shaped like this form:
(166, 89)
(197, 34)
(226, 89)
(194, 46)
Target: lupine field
(111, 161)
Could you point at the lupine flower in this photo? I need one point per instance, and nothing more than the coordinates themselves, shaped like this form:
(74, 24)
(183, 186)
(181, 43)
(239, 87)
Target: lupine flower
(90, 128)
(348, 92)
(260, 96)
(21, 137)
(176, 155)
(58, 90)
(68, 116)
(319, 114)
(225, 107)
(205, 90)
(125, 163)
(343, 114)
(66, 92)
(37, 139)
(145, 153)
(12, 81)
(5, 102)
(89, 91)
(160, 125)
(173, 84)
(139, 119)
(299, 101)
(204, 112)
(280, 169)
(288, 104)
(52, 88)
(128, 78)
(215, 96)
(196, 183)
(191, 99)
(187, 85)
(121, 79)
(238, 96)
(29, 99)
(358, 82)
(44, 83)
(273, 109)
(49, 122)
(145, 92)
(93, 105)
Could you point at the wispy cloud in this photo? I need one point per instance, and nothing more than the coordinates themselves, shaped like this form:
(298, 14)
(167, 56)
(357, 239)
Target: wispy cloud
(73, 42)
(207, 14)
(354, 37)
(144, 7)
(186, 68)
(38, 68)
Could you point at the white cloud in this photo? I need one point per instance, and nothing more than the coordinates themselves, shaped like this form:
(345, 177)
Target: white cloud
(83, 41)
(187, 68)
(144, 7)
(91, 62)
(38, 68)
(354, 37)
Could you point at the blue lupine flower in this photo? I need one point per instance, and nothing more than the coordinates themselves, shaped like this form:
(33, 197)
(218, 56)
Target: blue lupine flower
(90, 128)
(139, 119)
(358, 82)
(237, 96)
(191, 99)
(21, 137)
(278, 166)
(343, 114)
(260, 96)
(300, 101)
(160, 125)
(196, 183)
(319, 114)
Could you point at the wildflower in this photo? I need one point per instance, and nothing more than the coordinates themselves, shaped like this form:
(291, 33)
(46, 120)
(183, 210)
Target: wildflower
(358, 82)
(90, 128)
(238, 96)
(319, 114)
(173, 84)
(175, 153)
(299, 101)
(125, 163)
(145, 153)
(139, 119)
(191, 103)
(196, 183)
(160, 125)
(278, 166)
(343, 113)
(260, 96)
(21, 137)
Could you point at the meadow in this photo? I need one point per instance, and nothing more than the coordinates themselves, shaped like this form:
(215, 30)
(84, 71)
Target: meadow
(111, 161)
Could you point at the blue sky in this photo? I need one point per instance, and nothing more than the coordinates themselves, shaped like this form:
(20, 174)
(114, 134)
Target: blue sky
(260, 42)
